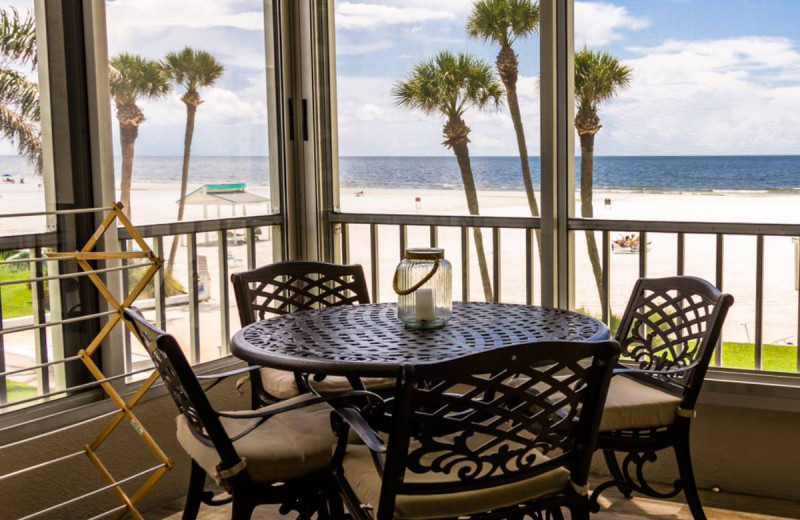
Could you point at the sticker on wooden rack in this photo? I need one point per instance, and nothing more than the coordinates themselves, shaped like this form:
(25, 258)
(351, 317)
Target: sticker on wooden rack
(136, 427)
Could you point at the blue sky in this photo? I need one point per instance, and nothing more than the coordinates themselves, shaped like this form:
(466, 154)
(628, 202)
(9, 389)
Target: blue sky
(711, 77)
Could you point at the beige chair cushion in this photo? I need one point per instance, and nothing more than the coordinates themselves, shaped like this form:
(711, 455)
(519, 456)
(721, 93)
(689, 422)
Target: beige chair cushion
(631, 404)
(286, 446)
(366, 483)
(281, 384)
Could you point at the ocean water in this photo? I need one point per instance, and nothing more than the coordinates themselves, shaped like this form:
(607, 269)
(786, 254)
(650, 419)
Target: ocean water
(672, 174)
(762, 173)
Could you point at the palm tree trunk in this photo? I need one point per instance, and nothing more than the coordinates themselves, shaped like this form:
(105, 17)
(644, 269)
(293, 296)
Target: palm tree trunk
(587, 209)
(461, 150)
(516, 117)
(191, 112)
(127, 138)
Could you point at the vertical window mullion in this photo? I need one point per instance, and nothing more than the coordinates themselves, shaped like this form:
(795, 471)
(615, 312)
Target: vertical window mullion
(557, 152)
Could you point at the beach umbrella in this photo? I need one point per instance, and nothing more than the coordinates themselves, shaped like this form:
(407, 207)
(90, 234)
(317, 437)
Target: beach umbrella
(6, 175)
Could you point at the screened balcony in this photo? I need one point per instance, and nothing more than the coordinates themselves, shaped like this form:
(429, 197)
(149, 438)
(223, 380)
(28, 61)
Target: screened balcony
(302, 117)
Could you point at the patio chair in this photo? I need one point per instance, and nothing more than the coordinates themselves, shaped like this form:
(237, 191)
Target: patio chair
(286, 287)
(471, 437)
(279, 454)
(668, 335)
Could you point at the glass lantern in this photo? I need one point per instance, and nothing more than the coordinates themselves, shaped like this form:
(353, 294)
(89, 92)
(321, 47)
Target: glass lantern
(423, 282)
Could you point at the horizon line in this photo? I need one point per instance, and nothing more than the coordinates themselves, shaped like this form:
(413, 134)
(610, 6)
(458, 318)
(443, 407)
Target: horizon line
(145, 156)
(474, 156)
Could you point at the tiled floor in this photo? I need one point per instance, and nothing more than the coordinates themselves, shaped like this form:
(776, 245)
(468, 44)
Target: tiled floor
(718, 506)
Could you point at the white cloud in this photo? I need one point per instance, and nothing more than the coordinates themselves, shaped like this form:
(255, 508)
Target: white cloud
(219, 107)
(183, 13)
(706, 97)
(235, 109)
(456, 7)
(351, 15)
(370, 123)
(601, 23)
(351, 49)
(369, 112)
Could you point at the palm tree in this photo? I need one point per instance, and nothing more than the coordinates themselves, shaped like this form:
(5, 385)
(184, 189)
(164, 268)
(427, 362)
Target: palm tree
(19, 96)
(133, 78)
(449, 85)
(503, 22)
(192, 69)
(598, 77)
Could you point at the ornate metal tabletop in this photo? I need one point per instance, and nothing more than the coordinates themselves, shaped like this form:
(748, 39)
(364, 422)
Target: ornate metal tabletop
(370, 340)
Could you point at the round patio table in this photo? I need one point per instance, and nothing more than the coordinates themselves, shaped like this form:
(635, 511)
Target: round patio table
(369, 340)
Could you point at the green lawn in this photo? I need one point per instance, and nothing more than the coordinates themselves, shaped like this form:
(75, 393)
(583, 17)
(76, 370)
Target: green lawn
(774, 358)
(19, 391)
(777, 358)
(16, 299)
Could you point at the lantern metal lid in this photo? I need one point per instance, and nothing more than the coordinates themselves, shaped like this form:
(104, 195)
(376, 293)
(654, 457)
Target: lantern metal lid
(425, 253)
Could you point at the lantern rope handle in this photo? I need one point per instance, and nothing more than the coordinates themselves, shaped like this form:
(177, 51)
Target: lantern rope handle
(406, 292)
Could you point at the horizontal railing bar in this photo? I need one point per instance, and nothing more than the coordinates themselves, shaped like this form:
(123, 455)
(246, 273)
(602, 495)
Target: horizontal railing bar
(727, 228)
(57, 322)
(29, 241)
(109, 512)
(437, 220)
(76, 274)
(61, 257)
(24, 261)
(75, 388)
(201, 226)
(56, 212)
(40, 365)
(53, 257)
(710, 228)
(92, 493)
(42, 465)
(53, 432)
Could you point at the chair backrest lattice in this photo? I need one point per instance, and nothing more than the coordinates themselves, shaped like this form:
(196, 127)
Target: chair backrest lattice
(183, 386)
(673, 324)
(286, 287)
(497, 417)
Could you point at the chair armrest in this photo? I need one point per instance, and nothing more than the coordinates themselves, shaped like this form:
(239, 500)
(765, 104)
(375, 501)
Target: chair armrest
(344, 398)
(264, 414)
(218, 378)
(675, 371)
(356, 421)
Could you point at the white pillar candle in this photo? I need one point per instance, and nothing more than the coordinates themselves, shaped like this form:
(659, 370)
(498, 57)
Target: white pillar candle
(424, 306)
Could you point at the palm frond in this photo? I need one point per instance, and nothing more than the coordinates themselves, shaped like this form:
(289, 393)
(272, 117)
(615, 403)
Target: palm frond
(133, 77)
(23, 133)
(503, 21)
(488, 21)
(480, 83)
(16, 90)
(524, 16)
(599, 76)
(449, 83)
(192, 68)
(18, 37)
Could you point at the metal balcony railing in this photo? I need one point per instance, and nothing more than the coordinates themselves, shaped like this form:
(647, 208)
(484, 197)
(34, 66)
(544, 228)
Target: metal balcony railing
(224, 232)
(497, 225)
(40, 321)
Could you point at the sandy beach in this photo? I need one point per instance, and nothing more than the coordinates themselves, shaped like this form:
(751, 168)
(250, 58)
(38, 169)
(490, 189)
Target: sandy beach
(781, 298)
(154, 203)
